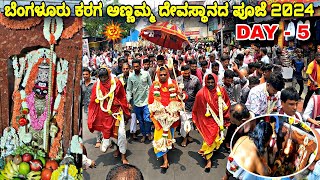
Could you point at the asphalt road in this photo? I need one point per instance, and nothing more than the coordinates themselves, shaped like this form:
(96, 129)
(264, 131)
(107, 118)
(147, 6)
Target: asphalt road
(185, 162)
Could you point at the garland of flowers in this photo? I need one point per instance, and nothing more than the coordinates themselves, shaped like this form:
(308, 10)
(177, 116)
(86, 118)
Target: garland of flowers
(48, 35)
(33, 61)
(270, 102)
(100, 97)
(16, 109)
(29, 80)
(15, 66)
(166, 116)
(70, 31)
(17, 95)
(16, 24)
(171, 88)
(55, 146)
(36, 122)
(222, 107)
(62, 76)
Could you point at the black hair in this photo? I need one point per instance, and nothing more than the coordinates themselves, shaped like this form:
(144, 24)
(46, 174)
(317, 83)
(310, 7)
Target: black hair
(175, 62)
(239, 111)
(192, 61)
(210, 77)
(289, 93)
(214, 64)
(237, 62)
(94, 72)
(146, 61)
(259, 64)
(261, 135)
(223, 58)
(257, 45)
(160, 57)
(85, 69)
(180, 58)
(201, 57)
(103, 72)
(126, 171)
(276, 81)
(228, 74)
(121, 60)
(151, 56)
(240, 57)
(251, 65)
(137, 54)
(126, 64)
(254, 80)
(264, 50)
(203, 63)
(162, 68)
(185, 67)
(277, 69)
(136, 61)
(267, 67)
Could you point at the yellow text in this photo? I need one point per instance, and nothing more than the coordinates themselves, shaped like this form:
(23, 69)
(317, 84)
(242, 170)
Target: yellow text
(186, 10)
(32, 10)
(131, 13)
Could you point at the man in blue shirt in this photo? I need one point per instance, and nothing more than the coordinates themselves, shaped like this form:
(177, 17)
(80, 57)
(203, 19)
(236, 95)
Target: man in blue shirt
(138, 89)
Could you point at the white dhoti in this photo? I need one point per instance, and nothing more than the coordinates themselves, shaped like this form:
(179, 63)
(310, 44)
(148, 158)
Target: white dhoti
(86, 162)
(185, 117)
(121, 141)
(133, 123)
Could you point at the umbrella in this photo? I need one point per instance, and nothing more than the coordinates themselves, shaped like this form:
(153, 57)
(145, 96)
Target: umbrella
(165, 34)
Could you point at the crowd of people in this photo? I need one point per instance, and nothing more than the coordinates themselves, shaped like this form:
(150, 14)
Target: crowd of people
(196, 89)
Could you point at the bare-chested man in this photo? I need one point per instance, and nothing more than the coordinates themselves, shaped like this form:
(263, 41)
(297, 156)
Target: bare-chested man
(243, 153)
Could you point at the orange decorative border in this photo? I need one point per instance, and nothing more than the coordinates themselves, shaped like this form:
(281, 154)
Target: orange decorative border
(70, 31)
(16, 24)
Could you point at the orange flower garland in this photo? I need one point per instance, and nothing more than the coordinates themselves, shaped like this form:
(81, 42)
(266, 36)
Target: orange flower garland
(59, 118)
(70, 31)
(16, 109)
(16, 24)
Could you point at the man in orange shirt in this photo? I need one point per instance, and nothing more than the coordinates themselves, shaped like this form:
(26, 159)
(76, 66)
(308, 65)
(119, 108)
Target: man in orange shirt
(313, 73)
